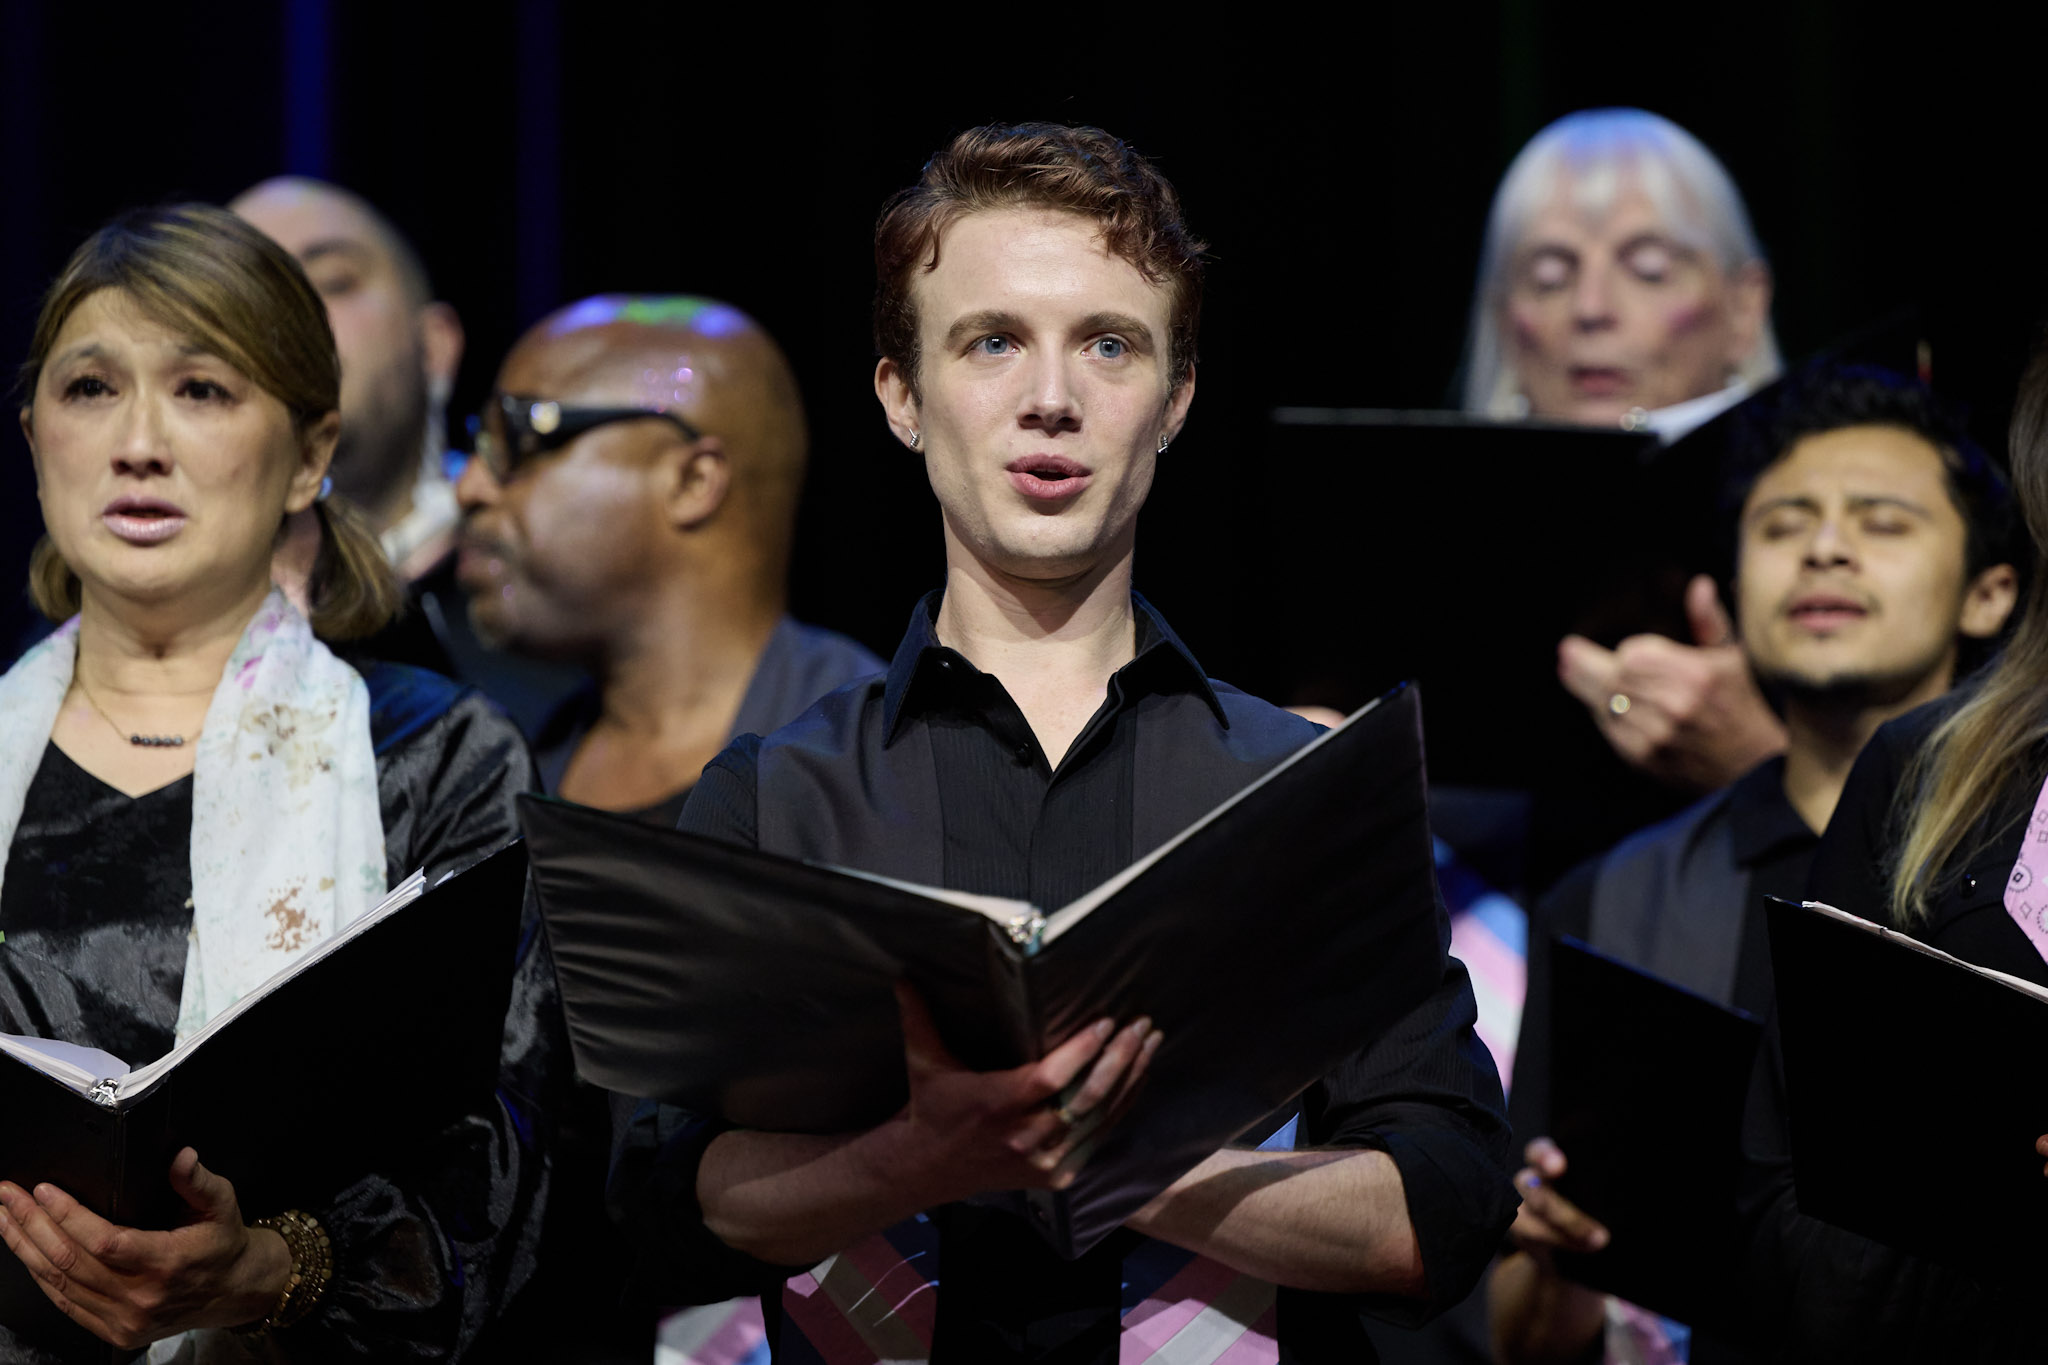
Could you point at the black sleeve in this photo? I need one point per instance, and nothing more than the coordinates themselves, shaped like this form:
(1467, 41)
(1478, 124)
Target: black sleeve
(448, 789)
(1428, 1095)
(652, 1192)
(1567, 909)
(722, 804)
(652, 1198)
(427, 1254)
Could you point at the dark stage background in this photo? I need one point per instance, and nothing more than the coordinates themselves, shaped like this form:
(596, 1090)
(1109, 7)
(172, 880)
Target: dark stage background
(1341, 168)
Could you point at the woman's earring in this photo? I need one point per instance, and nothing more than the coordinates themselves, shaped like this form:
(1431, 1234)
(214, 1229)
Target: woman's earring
(915, 437)
(1163, 443)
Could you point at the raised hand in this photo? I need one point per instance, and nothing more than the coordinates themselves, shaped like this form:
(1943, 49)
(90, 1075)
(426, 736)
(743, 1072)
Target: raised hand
(1690, 715)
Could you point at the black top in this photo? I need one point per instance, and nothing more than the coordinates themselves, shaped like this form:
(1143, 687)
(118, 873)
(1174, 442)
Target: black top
(1012, 827)
(932, 773)
(1772, 850)
(1828, 1293)
(424, 1259)
(95, 912)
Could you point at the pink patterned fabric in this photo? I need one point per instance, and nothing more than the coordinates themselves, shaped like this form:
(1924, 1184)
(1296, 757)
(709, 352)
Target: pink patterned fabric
(1499, 971)
(2026, 896)
(1636, 1336)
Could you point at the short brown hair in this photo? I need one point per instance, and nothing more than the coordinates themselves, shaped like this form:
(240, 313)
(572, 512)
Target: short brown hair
(211, 277)
(1038, 165)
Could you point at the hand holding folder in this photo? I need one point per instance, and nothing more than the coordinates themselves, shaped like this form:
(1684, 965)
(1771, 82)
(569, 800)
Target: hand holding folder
(349, 1061)
(131, 1287)
(1647, 1087)
(1547, 1219)
(1269, 941)
(1026, 1128)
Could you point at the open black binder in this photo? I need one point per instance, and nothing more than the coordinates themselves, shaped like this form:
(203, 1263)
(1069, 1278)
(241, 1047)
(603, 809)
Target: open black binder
(1269, 941)
(332, 1069)
(1913, 1091)
(1647, 1086)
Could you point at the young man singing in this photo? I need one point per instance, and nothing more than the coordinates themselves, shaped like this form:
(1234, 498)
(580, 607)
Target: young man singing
(1039, 728)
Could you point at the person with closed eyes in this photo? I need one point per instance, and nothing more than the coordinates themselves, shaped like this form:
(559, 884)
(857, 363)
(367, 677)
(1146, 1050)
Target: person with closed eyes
(1619, 278)
(1874, 565)
(1621, 284)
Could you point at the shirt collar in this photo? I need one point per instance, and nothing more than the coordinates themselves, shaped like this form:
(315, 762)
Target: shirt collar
(1761, 819)
(1161, 664)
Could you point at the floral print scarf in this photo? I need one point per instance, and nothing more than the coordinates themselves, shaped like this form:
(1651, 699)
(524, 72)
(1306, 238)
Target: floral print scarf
(287, 834)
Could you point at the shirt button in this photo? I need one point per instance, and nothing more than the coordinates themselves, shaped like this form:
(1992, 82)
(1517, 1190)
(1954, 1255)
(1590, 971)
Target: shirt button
(1969, 883)
(945, 663)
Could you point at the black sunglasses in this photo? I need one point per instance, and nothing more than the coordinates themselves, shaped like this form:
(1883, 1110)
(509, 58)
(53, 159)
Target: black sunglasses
(528, 427)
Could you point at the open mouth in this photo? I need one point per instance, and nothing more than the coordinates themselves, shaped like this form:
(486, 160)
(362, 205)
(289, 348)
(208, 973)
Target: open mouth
(143, 521)
(1047, 477)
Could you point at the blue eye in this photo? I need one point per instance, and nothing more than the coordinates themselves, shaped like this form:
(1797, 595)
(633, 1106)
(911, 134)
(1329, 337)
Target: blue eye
(1111, 348)
(993, 345)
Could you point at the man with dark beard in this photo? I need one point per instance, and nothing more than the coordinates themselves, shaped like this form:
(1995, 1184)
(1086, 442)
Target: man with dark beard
(1871, 554)
(399, 346)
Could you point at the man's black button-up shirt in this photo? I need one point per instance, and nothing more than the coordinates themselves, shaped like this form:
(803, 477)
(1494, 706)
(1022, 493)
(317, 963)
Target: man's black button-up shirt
(930, 773)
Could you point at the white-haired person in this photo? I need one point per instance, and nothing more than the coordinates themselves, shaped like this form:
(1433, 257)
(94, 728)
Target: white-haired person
(1620, 281)
(1621, 284)
(195, 789)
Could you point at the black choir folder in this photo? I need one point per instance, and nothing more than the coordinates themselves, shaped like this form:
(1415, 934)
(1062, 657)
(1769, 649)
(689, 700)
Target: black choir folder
(1916, 1091)
(1647, 1087)
(1270, 940)
(338, 1066)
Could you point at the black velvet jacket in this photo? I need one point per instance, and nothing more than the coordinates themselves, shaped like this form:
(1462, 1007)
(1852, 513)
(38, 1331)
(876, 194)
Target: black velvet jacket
(425, 1258)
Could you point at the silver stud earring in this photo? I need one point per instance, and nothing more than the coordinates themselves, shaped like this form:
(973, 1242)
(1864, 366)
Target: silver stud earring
(1163, 443)
(915, 437)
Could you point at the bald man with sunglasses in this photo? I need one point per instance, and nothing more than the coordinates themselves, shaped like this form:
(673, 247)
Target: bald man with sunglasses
(630, 510)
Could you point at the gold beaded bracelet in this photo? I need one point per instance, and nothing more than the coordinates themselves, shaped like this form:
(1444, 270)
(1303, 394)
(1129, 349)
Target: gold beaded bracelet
(312, 1266)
